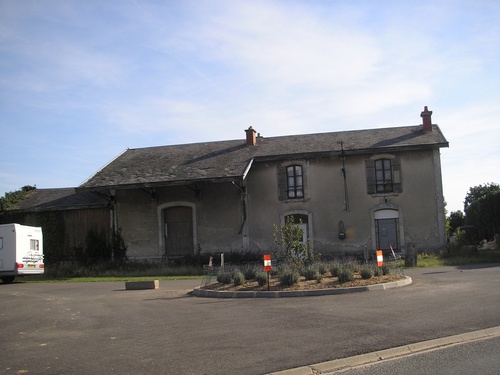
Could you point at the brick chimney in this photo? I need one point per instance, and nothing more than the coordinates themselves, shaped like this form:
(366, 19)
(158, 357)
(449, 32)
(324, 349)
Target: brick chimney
(426, 120)
(251, 136)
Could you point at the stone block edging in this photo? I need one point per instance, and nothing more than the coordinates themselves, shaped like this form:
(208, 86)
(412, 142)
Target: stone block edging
(140, 285)
(200, 292)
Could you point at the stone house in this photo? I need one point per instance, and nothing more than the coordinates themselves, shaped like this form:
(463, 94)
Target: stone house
(351, 191)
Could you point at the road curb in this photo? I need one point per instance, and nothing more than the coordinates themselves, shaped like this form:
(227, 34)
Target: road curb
(331, 367)
(200, 292)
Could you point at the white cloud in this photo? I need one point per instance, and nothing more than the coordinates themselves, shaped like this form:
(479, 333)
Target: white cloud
(282, 45)
(147, 73)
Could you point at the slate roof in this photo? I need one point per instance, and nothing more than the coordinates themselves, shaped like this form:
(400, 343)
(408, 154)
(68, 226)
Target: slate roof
(230, 160)
(59, 199)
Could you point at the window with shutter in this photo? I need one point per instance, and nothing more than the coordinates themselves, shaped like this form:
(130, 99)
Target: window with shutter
(291, 182)
(383, 175)
(370, 176)
(295, 182)
(396, 175)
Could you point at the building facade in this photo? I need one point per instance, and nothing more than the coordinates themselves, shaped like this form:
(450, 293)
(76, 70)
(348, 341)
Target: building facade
(352, 192)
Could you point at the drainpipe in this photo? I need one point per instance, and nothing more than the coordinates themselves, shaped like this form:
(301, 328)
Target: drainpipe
(243, 205)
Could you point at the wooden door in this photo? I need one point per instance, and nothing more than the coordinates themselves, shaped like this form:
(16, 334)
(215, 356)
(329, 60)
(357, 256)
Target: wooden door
(178, 231)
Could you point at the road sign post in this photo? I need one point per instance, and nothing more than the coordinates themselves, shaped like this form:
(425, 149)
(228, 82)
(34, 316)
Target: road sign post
(268, 268)
(380, 260)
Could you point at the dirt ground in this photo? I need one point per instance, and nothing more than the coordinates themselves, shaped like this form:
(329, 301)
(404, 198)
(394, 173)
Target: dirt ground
(327, 282)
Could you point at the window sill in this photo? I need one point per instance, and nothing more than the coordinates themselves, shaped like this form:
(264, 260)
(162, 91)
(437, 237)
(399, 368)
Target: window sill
(293, 200)
(384, 195)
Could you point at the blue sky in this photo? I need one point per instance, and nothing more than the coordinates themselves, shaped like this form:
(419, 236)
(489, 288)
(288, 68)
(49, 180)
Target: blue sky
(80, 81)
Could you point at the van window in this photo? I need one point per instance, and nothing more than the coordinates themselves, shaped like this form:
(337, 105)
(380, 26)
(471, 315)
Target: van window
(33, 244)
(1, 243)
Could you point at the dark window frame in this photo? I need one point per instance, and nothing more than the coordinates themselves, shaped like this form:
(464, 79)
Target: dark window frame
(384, 176)
(295, 181)
(382, 180)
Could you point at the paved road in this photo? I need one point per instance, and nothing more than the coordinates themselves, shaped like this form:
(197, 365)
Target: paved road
(99, 328)
(480, 357)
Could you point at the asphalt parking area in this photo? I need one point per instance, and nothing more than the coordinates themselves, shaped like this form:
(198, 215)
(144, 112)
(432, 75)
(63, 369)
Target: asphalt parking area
(100, 328)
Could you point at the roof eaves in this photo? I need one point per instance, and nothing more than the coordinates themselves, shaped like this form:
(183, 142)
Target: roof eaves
(161, 183)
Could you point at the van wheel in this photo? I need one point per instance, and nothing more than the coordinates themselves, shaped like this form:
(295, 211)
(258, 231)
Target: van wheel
(8, 279)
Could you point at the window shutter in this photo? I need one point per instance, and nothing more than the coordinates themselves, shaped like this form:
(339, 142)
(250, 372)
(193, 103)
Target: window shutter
(396, 175)
(370, 176)
(282, 186)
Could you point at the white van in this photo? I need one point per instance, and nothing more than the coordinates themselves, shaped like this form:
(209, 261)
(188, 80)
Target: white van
(21, 251)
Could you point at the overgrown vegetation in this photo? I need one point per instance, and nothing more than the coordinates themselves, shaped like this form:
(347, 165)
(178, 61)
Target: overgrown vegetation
(9, 200)
(466, 255)
(482, 211)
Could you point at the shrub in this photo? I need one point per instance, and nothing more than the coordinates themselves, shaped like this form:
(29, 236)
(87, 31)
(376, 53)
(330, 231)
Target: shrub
(224, 277)
(335, 267)
(322, 268)
(250, 271)
(261, 278)
(352, 264)
(386, 269)
(366, 272)
(289, 277)
(319, 277)
(345, 274)
(239, 278)
(310, 272)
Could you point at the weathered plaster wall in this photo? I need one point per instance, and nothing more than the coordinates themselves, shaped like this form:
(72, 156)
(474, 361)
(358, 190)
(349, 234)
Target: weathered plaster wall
(136, 216)
(220, 208)
(220, 217)
(420, 204)
(217, 209)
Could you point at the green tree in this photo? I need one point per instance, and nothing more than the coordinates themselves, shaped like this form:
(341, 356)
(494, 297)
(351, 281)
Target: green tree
(455, 220)
(290, 237)
(481, 191)
(9, 200)
(483, 209)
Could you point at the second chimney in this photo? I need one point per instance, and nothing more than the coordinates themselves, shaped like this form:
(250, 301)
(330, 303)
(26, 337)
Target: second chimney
(426, 120)
(251, 136)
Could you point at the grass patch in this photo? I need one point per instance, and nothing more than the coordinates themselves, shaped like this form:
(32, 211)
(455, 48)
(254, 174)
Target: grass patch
(42, 279)
(466, 256)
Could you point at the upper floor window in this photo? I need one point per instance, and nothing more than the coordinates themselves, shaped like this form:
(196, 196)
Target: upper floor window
(292, 180)
(383, 175)
(295, 182)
